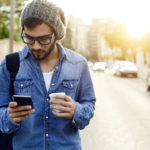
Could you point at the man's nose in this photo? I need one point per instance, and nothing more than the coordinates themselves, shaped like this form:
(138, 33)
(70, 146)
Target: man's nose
(36, 45)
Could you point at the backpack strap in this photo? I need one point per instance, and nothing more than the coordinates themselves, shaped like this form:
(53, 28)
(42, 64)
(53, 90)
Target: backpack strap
(12, 64)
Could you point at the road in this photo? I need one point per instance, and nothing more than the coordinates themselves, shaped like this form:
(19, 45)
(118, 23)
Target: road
(122, 115)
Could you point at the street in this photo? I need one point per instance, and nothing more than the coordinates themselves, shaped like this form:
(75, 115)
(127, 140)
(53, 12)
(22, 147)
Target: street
(122, 114)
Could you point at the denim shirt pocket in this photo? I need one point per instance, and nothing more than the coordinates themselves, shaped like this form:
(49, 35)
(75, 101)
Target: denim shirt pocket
(23, 87)
(70, 87)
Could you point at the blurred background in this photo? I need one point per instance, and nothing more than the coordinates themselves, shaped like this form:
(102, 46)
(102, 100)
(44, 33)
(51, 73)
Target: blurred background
(100, 30)
(114, 36)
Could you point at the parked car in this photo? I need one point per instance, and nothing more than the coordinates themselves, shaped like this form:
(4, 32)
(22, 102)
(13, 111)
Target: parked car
(125, 68)
(90, 64)
(99, 66)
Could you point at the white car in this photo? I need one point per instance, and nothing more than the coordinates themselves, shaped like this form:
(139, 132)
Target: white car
(125, 68)
(99, 66)
(90, 64)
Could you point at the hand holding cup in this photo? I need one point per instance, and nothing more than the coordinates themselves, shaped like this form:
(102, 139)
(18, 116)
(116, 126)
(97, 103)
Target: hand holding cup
(63, 106)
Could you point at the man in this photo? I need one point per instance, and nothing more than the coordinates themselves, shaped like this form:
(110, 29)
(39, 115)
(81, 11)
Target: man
(46, 67)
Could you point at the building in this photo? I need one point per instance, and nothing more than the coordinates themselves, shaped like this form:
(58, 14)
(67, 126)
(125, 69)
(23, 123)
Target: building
(96, 42)
(79, 34)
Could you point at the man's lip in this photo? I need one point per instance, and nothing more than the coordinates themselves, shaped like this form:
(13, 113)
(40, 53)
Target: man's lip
(37, 53)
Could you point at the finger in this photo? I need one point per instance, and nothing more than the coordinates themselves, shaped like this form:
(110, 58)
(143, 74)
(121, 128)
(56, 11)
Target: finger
(18, 114)
(31, 111)
(62, 98)
(68, 98)
(62, 115)
(22, 108)
(23, 114)
(60, 108)
(60, 102)
(18, 119)
(13, 104)
(19, 108)
(58, 97)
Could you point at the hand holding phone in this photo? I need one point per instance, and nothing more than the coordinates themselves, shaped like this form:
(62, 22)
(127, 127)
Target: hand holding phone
(23, 108)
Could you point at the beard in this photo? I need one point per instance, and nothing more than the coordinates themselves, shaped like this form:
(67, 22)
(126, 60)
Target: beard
(42, 51)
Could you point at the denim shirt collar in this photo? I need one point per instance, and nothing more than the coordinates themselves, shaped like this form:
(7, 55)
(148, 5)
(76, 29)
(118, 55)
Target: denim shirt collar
(27, 52)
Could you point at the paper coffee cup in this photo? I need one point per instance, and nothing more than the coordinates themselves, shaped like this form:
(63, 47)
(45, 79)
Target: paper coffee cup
(53, 95)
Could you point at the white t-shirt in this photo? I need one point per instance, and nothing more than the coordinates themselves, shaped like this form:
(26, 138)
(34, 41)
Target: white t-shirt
(47, 78)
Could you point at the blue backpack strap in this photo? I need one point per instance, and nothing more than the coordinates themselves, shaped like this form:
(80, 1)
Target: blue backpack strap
(12, 64)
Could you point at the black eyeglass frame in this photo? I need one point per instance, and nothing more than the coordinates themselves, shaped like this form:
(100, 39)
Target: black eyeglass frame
(36, 39)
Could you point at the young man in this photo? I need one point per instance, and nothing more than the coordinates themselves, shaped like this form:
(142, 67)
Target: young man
(46, 67)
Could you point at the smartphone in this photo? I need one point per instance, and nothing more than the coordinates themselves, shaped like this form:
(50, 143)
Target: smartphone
(23, 100)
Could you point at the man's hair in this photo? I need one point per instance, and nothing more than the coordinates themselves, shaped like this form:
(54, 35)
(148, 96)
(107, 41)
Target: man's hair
(47, 12)
(32, 22)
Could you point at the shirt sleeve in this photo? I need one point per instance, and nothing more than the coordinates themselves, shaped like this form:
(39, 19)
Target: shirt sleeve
(85, 105)
(6, 123)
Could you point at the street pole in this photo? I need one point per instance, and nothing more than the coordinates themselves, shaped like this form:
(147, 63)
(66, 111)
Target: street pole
(11, 26)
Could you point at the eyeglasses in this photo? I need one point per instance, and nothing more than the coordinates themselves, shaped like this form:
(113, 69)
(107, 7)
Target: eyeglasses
(43, 40)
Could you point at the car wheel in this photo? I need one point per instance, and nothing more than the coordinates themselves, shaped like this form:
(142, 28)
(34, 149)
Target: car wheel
(122, 75)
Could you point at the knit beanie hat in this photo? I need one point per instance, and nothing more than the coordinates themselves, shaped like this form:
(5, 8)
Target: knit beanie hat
(49, 13)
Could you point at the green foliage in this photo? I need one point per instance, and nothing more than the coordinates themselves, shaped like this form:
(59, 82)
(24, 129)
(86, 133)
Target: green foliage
(4, 31)
(7, 2)
(18, 7)
(5, 19)
(17, 29)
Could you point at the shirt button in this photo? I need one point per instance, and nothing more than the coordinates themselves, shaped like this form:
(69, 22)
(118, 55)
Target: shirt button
(71, 85)
(21, 85)
(46, 117)
(46, 135)
(53, 84)
(47, 99)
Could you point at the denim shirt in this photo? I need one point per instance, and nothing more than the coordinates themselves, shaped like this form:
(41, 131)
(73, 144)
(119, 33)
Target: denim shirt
(43, 130)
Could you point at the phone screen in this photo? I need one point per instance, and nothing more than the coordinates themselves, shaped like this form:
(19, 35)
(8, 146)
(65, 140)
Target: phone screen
(23, 100)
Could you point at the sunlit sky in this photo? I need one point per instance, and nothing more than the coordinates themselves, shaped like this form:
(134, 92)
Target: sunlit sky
(136, 13)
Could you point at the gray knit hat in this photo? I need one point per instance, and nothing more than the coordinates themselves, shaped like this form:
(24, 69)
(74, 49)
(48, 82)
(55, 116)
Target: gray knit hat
(51, 14)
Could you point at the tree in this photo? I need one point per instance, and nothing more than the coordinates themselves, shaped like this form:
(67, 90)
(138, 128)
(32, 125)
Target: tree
(4, 32)
(7, 2)
(5, 18)
(119, 37)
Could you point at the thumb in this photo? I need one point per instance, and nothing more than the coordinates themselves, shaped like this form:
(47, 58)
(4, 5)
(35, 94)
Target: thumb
(13, 104)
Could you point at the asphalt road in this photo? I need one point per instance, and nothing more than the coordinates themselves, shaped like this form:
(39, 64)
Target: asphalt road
(122, 115)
